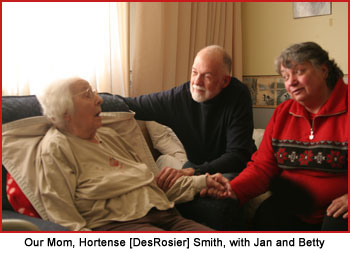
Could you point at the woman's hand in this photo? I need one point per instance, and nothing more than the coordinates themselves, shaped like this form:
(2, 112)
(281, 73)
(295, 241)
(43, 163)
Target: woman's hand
(338, 207)
(218, 187)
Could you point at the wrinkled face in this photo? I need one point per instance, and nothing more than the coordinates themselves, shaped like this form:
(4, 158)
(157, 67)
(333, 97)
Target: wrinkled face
(87, 107)
(305, 83)
(209, 76)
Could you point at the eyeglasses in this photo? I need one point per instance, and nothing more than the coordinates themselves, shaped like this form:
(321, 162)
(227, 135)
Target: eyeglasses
(89, 93)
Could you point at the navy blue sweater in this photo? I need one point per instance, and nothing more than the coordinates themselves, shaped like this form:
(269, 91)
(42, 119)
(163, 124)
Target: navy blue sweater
(216, 134)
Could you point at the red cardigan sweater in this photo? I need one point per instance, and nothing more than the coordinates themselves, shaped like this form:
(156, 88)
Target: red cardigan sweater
(314, 155)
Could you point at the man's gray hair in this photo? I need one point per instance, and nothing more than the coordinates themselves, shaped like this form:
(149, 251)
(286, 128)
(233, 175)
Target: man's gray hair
(309, 52)
(226, 58)
(56, 100)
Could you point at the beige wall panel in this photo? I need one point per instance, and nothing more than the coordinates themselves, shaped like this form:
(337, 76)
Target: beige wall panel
(270, 27)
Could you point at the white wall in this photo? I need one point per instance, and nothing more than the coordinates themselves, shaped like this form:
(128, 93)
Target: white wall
(268, 28)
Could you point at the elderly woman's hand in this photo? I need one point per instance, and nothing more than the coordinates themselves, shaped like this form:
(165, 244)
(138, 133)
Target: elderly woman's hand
(168, 176)
(338, 207)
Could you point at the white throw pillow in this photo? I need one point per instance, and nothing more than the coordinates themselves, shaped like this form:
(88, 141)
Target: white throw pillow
(167, 143)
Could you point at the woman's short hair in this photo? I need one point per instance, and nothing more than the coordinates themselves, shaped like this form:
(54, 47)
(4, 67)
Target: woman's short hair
(313, 53)
(56, 100)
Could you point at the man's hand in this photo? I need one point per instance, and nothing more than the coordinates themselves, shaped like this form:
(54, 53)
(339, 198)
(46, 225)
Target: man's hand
(188, 171)
(218, 187)
(168, 176)
(338, 207)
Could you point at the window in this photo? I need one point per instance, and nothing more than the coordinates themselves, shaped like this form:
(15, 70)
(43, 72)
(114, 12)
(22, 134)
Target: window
(45, 41)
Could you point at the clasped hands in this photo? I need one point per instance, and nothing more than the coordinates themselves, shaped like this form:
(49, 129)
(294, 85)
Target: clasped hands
(217, 185)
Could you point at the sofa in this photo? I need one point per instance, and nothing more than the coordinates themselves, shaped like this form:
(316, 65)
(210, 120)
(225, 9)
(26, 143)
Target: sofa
(18, 107)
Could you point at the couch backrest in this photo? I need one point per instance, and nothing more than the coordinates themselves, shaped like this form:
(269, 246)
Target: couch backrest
(19, 107)
(258, 134)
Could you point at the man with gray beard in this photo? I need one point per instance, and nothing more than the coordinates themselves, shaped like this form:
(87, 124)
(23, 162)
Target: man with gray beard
(212, 116)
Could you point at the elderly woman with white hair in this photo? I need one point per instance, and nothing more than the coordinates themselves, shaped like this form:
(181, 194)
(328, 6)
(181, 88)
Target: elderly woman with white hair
(92, 178)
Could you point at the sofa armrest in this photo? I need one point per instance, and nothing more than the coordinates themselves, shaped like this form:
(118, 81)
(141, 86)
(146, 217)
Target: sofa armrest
(41, 225)
(252, 206)
(18, 225)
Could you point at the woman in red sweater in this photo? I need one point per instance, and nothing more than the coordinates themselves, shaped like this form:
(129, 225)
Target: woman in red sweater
(303, 157)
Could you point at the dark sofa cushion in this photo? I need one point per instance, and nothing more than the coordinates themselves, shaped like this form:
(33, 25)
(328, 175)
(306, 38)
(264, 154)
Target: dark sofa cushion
(5, 203)
(19, 107)
(113, 103)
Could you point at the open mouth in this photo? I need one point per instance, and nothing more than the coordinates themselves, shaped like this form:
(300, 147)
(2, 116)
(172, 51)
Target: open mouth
(97, 114)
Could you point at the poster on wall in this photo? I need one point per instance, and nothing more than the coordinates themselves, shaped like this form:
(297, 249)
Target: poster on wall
(269, 91)
(266, 91)
(310, 9)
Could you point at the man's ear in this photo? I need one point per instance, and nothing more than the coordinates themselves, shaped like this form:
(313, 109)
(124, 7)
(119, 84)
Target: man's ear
(227, 80)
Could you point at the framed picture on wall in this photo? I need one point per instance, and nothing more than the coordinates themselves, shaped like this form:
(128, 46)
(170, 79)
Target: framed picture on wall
(269, 91)
(266, 91)
(310, 9)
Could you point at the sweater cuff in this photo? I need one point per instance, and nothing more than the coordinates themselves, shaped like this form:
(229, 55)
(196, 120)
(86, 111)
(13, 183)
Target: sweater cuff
(240, 198)
(199, 182)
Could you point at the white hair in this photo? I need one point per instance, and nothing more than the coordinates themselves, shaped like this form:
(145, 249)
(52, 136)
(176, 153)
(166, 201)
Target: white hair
(56, 100)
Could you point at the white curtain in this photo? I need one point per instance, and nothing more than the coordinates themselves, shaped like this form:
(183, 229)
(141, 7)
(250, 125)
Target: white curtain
(168, 36)
(46, 41)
